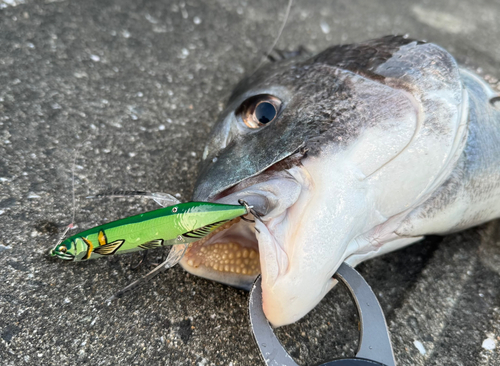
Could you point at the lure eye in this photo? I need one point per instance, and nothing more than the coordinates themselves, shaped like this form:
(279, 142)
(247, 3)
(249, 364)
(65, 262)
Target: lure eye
(259, 110)
(63, 249)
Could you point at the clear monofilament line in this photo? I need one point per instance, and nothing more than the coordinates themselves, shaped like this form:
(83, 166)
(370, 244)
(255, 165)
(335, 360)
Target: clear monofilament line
(287, 14)
(70, 226)
(73, 201)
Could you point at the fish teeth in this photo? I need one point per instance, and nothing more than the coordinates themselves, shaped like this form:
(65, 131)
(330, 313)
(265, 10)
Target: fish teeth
(225, 257)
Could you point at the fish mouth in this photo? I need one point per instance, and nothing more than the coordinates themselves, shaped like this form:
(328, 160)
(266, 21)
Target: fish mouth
(232, 253)
(296, 243)
(229, 255)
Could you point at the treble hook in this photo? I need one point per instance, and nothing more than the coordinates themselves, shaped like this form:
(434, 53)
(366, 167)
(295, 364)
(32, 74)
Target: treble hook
(144, 256)
(249, 210)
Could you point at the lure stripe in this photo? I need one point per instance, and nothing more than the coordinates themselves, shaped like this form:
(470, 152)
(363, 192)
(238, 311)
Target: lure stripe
(110, 248)
(102, 238)
(205, 230)
(152, 244)
(89, 248)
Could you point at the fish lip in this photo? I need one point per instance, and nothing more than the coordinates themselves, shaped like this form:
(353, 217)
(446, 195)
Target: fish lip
(267, 194)
(211, 189)
(252, 184)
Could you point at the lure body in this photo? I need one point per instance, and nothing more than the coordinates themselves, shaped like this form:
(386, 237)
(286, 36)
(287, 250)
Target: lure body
(178, 224)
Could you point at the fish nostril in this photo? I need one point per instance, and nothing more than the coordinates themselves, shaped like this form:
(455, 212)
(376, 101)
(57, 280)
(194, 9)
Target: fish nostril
(495, 102)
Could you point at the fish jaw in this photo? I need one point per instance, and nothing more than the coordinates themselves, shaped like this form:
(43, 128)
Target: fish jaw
(301, 249)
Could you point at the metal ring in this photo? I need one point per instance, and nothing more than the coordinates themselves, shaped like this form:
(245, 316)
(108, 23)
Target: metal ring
(375, 344)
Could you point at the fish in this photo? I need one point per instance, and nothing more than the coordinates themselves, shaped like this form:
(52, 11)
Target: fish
(346, 155)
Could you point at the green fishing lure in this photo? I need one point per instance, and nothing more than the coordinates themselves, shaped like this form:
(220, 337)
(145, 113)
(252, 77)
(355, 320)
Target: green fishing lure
(179, 224)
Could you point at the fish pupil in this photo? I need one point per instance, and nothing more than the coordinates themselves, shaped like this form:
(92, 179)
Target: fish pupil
(265, 112)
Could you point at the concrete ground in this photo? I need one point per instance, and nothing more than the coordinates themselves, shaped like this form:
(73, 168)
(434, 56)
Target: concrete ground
(134, 86)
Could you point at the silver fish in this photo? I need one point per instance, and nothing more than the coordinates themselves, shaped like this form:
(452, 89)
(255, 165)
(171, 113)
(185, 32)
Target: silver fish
(347, 155)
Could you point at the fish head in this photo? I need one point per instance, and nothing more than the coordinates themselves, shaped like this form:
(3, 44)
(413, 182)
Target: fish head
(66, 250)
(345, 145)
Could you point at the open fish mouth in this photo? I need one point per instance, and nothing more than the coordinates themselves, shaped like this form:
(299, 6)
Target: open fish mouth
(231, 254)
(281, 243)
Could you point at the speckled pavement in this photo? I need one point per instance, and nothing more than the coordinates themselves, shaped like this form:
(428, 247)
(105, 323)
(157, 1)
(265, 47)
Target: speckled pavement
(133, 87)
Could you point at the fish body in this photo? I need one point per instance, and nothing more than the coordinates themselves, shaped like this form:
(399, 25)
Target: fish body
(370, 147)
(178, 224)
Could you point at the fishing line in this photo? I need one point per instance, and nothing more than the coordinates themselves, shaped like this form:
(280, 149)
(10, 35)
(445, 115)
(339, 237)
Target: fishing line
(73, 200)
(73, 187)
(73, 196)
(163, 199)
(287, 14)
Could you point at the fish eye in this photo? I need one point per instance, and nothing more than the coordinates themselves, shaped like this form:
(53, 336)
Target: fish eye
(259, 110)
(265, 112)
(63, 249)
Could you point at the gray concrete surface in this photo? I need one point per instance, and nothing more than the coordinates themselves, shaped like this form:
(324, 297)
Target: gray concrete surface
(134, 86)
